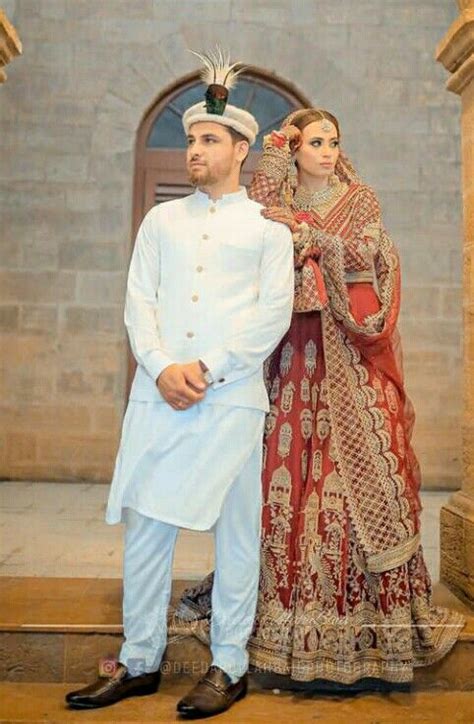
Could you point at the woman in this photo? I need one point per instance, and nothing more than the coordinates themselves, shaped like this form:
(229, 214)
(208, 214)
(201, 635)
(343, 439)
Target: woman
(344, 592)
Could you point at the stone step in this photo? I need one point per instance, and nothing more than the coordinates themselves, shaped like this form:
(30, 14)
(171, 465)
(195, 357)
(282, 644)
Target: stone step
(58, 629)
(45, 702)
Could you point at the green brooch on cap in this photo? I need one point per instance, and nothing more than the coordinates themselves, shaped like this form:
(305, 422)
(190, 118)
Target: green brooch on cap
(220, 76)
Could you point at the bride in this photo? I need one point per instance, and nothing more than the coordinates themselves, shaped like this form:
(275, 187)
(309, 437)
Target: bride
(344, 591)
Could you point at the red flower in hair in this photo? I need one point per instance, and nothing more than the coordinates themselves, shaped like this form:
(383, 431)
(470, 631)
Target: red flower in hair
(278, 139)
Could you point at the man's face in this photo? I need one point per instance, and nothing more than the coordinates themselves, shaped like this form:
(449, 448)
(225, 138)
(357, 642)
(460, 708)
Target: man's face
(212, 156)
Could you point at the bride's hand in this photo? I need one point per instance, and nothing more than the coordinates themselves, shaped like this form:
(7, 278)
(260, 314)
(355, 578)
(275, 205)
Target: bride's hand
(282, 215)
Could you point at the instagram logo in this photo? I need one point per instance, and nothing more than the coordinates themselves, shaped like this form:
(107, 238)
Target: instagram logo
(107, 666)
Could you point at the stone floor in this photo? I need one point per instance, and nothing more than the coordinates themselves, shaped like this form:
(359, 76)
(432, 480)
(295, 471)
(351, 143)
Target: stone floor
(44, 703)
(58, 530)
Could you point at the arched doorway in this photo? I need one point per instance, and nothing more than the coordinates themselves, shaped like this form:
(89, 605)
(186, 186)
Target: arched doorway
(160, 171)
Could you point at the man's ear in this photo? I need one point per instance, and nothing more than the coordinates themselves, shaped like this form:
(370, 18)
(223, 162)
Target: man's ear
(243, 148)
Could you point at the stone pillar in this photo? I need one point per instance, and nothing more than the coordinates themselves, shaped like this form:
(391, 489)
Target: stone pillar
(10, 44)
(456, 53)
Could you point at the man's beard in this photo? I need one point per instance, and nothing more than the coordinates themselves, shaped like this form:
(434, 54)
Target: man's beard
(201, 176)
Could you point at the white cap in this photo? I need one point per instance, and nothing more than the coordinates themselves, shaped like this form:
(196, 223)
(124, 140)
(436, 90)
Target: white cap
(241, 121)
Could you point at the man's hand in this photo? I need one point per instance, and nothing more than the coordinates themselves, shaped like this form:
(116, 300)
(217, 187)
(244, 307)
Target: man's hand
(194, 376)
(174, 386)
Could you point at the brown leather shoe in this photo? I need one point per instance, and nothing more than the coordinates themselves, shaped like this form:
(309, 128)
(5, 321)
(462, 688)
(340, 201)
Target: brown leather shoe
(106, 691)
(213, 694)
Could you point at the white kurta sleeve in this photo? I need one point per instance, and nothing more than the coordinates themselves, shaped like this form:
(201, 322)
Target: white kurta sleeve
(245, 351)
(141, 317)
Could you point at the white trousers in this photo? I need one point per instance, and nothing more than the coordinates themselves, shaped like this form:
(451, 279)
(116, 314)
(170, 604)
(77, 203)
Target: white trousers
(148, 559)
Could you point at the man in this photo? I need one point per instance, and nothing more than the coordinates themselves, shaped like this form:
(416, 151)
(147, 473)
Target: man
(209, 296)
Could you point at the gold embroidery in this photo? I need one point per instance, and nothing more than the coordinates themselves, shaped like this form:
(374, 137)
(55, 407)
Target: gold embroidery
(284, 440)
(306, 419)
(287, 397)
(305, 392)
(286, 357)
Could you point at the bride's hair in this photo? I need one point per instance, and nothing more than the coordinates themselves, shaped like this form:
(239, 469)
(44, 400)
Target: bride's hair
(305, 116)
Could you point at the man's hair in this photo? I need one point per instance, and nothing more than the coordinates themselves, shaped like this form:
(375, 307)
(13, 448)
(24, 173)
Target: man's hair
(236, 137)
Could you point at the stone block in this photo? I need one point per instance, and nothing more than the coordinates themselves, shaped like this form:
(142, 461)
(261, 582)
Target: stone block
(31, 656)
(107, 418)
(93, 320)
(102, 226)
(432, 362)
(218, 10)
(424, 14)
(100, 199)
(435, 175)
(421, 302)
(39, 319)
(20, 196)
(21, 447)
(74, 111)
(429, 93)
(454, 571)
(431, 334)
(65, 138)
(51, 55)
(33, 384)
(53, 9)
(95, 355)
(100, 287)
(451, 302)
(86, 384)
(20, 165)
(95, 257)
(83, 197)
(444, 207)
(85, 9)
(84, 653)
(392, 176)
(66, 167)
(48, 417)
(9, 317)
(36, 287)
(446, 120)
(83, 449)
(10, 252)
(40, 254)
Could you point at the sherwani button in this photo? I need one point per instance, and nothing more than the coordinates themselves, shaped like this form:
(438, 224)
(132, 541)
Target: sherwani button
(199, 268)
(212, 210)
(195, 297)
(205, 237)
(189, 335)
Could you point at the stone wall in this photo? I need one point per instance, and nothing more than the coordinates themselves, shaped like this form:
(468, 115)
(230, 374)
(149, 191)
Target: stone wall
(68, 119)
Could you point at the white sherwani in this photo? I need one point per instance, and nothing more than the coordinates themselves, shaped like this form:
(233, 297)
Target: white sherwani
(212, 281)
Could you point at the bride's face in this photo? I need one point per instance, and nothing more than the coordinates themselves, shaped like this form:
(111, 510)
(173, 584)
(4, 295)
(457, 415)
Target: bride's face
(319, 149)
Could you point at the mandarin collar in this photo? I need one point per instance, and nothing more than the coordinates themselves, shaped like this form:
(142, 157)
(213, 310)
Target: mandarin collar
(202, 199)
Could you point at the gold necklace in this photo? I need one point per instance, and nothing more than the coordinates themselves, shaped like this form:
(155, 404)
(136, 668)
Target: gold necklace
(321, 200)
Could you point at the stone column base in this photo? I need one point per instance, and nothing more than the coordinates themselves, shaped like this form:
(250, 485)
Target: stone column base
(457, 546)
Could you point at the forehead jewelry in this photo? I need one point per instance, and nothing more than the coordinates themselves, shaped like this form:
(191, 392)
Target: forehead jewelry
(325, 124)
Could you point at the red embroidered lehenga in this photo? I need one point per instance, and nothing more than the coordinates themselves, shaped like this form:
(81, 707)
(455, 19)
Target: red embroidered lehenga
(344, 592)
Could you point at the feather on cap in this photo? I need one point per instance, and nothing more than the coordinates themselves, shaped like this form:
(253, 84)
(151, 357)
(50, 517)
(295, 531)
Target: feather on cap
(218, 70)
(220, 75)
